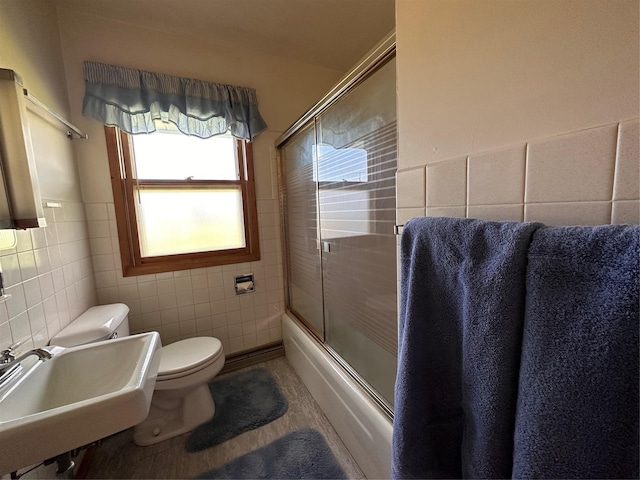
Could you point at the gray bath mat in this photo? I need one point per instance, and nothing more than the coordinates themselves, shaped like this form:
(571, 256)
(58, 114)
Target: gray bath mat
(303, 454)
(243, 401)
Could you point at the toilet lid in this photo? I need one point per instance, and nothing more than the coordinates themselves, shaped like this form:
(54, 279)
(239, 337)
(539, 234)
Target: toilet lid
(96, 324)
(188, 354)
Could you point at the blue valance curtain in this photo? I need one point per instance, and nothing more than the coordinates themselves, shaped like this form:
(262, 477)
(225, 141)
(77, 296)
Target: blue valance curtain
(132, 99)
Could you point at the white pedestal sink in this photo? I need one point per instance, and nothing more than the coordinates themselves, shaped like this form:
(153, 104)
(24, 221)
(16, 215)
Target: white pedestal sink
(80, 395)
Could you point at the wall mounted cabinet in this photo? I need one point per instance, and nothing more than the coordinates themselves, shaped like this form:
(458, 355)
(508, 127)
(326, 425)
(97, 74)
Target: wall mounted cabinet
(20, 203)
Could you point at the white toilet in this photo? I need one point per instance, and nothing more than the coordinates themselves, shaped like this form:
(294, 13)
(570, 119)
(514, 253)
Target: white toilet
(181, 399)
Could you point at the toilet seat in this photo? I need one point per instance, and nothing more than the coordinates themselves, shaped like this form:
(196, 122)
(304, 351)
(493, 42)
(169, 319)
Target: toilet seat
(188, 356)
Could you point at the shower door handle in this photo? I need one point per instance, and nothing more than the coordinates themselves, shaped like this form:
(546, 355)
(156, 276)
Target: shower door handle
(323, 246)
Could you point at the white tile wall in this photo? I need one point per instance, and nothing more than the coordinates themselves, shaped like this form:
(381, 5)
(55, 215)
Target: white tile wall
(627, 176)
(497, 178)
(195, 302)
(456, 212)
(590, 177)
(411, 184)
(447, 183)
(572, 168)
(511, 213)
(49, 277)
(625, 211)
(569, 213)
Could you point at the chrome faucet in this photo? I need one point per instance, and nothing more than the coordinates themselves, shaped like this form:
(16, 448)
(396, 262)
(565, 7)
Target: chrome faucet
(41, 353)
(8, 358)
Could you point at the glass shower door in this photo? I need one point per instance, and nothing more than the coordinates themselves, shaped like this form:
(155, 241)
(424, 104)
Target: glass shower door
(357, 161)
(301, 229)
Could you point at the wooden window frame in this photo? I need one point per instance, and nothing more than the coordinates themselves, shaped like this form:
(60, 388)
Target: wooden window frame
(120, 152)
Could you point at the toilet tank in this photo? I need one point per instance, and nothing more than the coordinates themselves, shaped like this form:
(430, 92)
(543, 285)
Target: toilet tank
(98, 323)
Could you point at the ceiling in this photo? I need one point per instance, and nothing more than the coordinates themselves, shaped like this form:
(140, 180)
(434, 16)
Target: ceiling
(333, 34)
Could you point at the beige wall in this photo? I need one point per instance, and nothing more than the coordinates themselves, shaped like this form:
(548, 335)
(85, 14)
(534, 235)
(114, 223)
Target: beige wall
(48, 274)
(30, 45)
(479, 75)
(519, 110)
(192, 302)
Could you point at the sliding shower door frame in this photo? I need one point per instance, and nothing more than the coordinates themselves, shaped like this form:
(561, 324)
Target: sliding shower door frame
(284, 225)
(375, 59)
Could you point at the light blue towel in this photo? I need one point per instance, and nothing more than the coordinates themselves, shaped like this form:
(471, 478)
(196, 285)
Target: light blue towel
(461, 311)
(577, 413)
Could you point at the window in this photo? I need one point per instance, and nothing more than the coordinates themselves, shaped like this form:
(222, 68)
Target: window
(182, 202)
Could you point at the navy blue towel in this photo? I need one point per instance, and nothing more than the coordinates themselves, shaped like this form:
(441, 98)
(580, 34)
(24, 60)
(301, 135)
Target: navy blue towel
(461, 311)
(577, 413)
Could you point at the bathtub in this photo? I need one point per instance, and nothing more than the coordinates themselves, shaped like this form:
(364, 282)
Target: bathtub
(362, 426)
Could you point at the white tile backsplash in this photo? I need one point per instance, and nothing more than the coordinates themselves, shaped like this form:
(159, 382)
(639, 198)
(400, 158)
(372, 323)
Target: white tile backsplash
(626, 212)
(511, 213)
(572, 168)
(11, 270)
(17, 303)
(497, 178)
(96, 211)
(627, 176)
(49, 276)
(32, 293)
(27, 262)
(569, 213)
(23, 241)
(38, 237)
(21, 331)
(54, 256)
(456, 212)
(99, 229)
(46, 285)
(148, 289)
(568, 180)
(43, 262)
(74, 212)
(185, 298)
(5, 333)
(101, 246)
(37, 320)
(103, 262)
(405, 214)
(410, 186)
(447, 183)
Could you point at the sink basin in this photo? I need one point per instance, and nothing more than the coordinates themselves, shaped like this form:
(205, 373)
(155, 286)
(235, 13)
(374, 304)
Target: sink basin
(80, 395)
